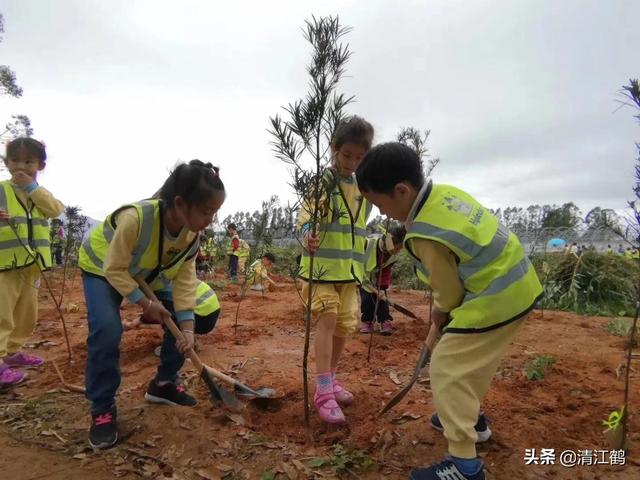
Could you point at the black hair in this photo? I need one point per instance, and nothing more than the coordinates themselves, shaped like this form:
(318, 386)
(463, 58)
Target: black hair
(195, 182)
(397, 233)
(270, 256)
(386, 165)
(30, 146)
(352, 129)
(232, 226)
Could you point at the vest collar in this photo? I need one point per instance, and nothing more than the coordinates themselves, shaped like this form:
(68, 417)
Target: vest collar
(419, 202)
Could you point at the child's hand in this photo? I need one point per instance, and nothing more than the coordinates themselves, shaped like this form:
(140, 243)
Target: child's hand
(156, 312)
(188, 342)
(439, 318)
(21, 179)
(4, 215)
(312, 242)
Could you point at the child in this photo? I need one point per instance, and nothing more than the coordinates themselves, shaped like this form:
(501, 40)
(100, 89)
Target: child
(57, 242)
(483, 286)
(259, 278)
(379, 260)
(150, 238)
(206, 311)
(238, 252)
(338, 247)
(24, 251)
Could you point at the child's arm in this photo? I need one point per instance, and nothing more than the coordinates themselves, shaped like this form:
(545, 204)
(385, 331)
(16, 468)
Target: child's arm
(44, 200)
(118, 257)
(445, 282)
(184, 291)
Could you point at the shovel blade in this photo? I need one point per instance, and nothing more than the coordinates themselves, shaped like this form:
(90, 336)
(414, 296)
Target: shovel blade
(245, 391)
(219, 396)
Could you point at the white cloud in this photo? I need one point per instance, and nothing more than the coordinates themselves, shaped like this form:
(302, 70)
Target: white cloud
(519, 95)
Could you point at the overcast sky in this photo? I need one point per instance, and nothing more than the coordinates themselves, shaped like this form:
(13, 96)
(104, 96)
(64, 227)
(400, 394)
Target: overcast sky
(519, 95)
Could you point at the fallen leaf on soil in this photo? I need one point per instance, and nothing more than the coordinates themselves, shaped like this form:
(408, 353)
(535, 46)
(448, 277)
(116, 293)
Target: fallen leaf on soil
(289, 471)
(224, 468)
(236, 418)
(405, 417)
(207, 475)
(394, 378)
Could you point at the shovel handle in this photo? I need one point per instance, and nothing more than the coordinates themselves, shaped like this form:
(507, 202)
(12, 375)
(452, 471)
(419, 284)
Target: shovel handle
(169, 323)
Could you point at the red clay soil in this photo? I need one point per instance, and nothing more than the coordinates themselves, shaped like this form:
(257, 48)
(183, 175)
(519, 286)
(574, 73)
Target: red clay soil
(43, 426)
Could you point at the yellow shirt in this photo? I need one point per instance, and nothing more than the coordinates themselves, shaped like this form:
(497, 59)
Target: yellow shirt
(42, 199)
(440, 262)
(259, 273)
(119, 254)
(351, 194)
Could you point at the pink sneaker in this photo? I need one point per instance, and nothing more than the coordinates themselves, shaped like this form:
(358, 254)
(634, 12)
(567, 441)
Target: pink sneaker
(9, 376)
(343, 397)
(328, 408)
(21, 359)
(387, 328)
(366, 327)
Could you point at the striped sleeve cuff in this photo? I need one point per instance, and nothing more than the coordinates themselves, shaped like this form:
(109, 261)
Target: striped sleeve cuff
(135, 296)
(184, 316)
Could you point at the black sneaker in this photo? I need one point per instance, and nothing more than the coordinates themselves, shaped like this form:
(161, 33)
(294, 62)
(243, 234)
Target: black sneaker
(169, 394)
(104, 431)
(481, 427)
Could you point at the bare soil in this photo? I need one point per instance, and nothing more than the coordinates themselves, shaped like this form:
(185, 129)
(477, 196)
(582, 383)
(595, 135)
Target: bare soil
(43, 426)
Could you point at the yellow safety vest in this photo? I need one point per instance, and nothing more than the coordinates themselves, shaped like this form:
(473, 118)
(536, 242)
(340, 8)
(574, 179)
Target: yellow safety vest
(206, 299)
(243, 251)
(340, 257)
(500, 283)
(145, 261)
(32, 241)
(371, 259)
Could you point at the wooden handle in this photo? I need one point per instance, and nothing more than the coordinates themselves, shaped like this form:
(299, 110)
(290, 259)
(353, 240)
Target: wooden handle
(432, 337)
(169, 323)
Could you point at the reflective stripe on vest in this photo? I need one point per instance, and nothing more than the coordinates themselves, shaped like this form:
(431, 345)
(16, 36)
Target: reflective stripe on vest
(206, 300)
(341, 255)
(145, 254)
(498, 278)
(27, 237)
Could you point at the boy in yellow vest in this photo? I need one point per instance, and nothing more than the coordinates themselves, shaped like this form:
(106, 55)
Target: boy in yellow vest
(259, 278)
(24, 250)
(483, 286)
(238, 252)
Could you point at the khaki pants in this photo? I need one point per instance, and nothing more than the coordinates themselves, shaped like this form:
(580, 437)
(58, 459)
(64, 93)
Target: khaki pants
(18, 307)
(462, 367)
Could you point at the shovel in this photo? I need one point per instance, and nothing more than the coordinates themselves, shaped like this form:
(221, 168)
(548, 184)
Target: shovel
(241, 389)
(423, 360)
(218, 394)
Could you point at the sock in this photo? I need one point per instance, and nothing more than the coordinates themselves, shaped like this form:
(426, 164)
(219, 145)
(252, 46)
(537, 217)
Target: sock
(333, 374)
(468, 466)
(324, 383)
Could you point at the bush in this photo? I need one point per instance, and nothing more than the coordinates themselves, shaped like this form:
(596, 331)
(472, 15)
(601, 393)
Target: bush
(404, 275)
(593, 283)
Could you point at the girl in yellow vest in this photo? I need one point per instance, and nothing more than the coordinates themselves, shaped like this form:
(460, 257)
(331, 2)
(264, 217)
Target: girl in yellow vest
(24, 250)
(483, 286)
(338, 247)
(157, 240)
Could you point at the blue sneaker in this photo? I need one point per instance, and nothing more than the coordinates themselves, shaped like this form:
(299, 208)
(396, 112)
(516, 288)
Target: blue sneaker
(446, 470)
(482, 427)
